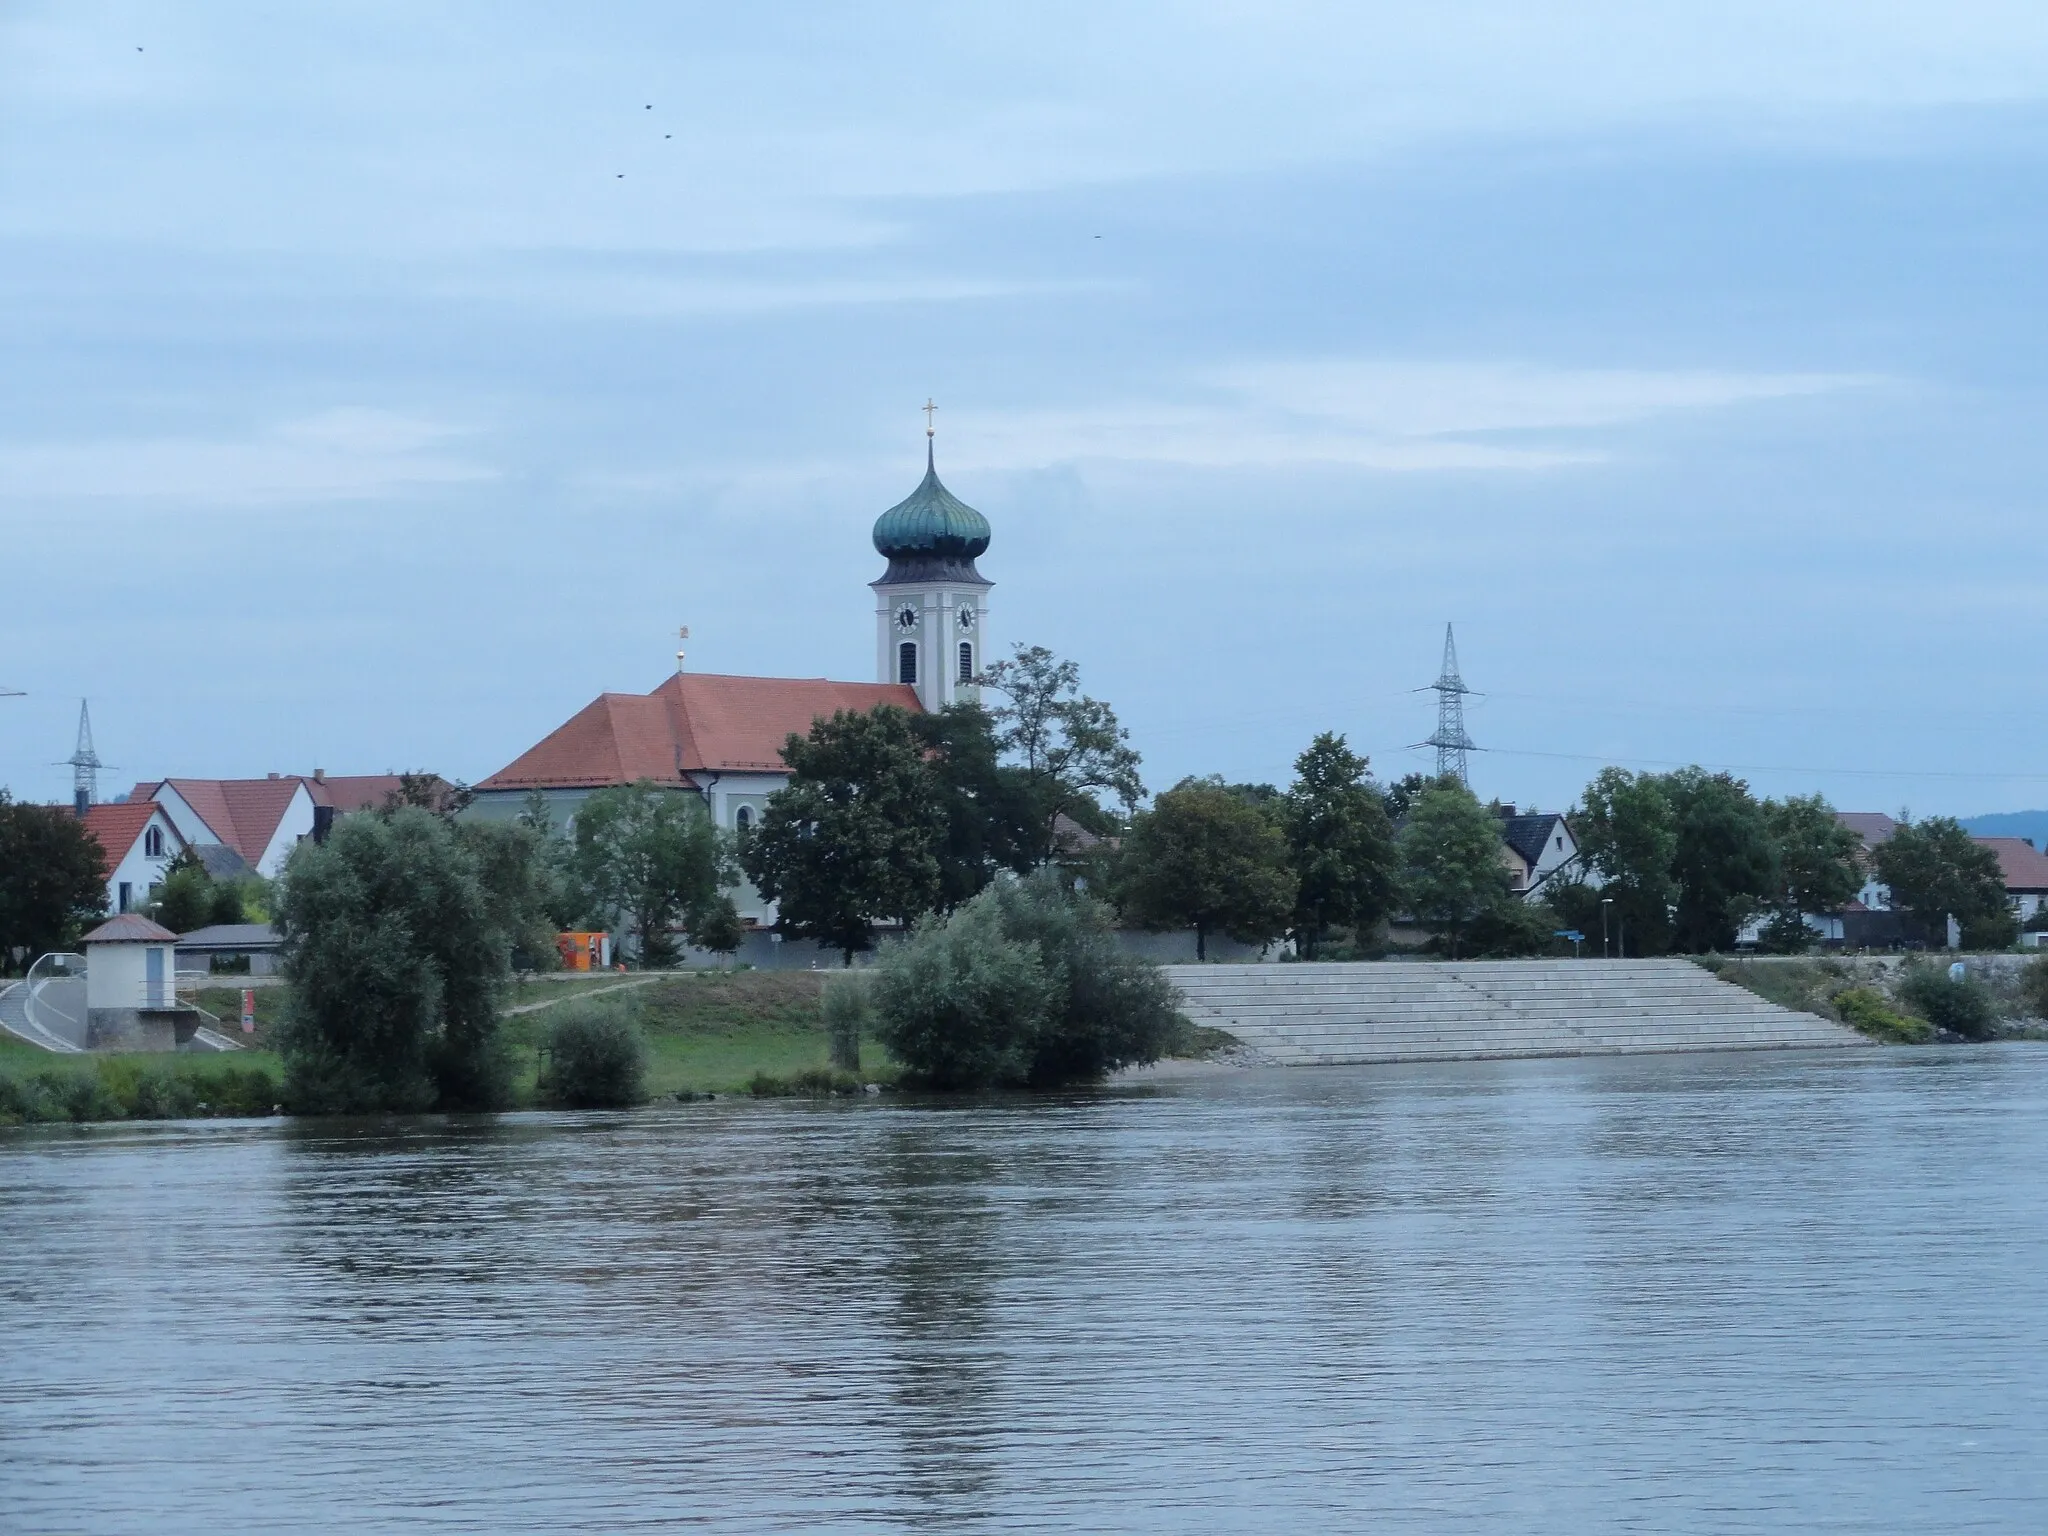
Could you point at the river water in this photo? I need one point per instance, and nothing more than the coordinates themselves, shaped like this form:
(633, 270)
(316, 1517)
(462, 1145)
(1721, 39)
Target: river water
(1727, 1293)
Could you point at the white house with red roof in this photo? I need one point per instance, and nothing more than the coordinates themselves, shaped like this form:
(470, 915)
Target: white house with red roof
(139, 840)
(260, 821)
(721, 737)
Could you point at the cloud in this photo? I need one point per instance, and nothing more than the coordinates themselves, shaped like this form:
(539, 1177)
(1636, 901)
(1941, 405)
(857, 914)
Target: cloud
(1377, 414)
(334, 455)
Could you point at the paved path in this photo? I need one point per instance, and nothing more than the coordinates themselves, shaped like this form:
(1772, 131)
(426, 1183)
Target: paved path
(570, 997)
(1302, 1015)
(15, 1020)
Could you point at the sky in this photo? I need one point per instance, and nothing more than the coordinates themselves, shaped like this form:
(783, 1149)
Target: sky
(379, 383)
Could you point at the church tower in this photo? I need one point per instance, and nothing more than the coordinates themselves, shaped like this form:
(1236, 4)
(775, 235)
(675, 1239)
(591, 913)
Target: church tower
(931, 605)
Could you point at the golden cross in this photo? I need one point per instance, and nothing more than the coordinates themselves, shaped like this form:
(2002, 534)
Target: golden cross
(928, 408)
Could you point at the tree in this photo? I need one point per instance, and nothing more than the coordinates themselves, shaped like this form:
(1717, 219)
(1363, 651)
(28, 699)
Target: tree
(988, 812)
(1023, 985)
(1451, 866)
(1202, 858)
(1937, 871)
(513, 868)
(184, 901)
(1721, 860)
(1628, 835)
(1814, 866)
(717, 927)
(651, 853)
(396, 971)
(53, 880)
(1069, 746)
(1340, 842)
(1403, 793)
(854, 836)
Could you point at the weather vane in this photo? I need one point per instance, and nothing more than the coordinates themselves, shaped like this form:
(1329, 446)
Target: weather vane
(681, 634)
(929, 411)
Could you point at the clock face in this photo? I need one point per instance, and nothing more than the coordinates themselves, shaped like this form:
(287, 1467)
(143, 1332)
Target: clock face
(966, 617)
(906, 618)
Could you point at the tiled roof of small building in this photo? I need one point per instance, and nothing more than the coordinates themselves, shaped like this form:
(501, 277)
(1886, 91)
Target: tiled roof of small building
(130, 928)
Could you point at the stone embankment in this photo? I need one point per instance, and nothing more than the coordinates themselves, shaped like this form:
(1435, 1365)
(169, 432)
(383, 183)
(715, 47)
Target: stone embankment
(1304, 1015)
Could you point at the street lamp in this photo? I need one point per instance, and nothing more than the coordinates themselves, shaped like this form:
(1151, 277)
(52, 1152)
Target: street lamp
(1605, 903)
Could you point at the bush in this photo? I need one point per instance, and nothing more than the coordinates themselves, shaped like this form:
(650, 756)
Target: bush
(596, 1058)
(1959, 1007)
(1025, 984)
(846, 1009)
(812, 1083)
(1865, 1010)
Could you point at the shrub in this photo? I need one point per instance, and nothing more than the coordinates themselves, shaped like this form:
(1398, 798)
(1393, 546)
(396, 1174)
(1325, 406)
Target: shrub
(596, 1058)
(1959, 1007)
(2034, 985)
(1025, 984)
(846, 1009)
(1865, 1010)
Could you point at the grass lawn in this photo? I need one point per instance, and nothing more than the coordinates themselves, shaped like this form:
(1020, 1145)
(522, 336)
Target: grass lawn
(713, 1031)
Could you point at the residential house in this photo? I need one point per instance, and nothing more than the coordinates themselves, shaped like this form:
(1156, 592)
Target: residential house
(238, 825)
(2025, 871)
(1536, 847)
(139, 840)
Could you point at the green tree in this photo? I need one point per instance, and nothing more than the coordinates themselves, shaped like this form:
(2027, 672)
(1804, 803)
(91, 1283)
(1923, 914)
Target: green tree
(1070, 747)
(512, 865)
(228, 903)
(1024, 985)
(53, 880)
(1340, 842)
(650, 853)
(1722, 857)
(716, 926)
(184, 900)
(854, 836)
(1937, 871)
(989, 814)
(1628, 836)
(1203, 858)
(1403, 793)
(1814, 862)
(1452, 871)
(396, 971)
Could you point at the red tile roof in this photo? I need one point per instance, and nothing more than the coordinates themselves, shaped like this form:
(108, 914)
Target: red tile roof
(116, 828)
(2023, 866)
(243, 813)
(349, 793)
(692, 724)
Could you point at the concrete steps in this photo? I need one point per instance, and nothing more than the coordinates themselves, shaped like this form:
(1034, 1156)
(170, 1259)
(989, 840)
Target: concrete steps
(1471, 1010)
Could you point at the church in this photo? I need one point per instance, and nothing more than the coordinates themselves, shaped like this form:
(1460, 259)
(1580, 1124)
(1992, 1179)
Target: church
(721, 737)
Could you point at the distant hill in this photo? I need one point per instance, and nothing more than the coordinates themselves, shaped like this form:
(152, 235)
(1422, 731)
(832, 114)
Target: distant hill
(2032, 825)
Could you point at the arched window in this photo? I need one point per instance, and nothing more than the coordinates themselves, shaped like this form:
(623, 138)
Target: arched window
(966, 662)
(153, 843)
(743, 818)
(906, 662)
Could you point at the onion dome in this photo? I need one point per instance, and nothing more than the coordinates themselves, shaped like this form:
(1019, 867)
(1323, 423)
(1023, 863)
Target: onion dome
(931, 535)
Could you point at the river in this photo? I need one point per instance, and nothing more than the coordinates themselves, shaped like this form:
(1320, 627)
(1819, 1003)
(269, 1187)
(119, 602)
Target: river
(1772, 1292)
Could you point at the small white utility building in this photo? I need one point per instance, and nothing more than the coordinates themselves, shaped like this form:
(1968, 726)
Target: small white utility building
(131, 999)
